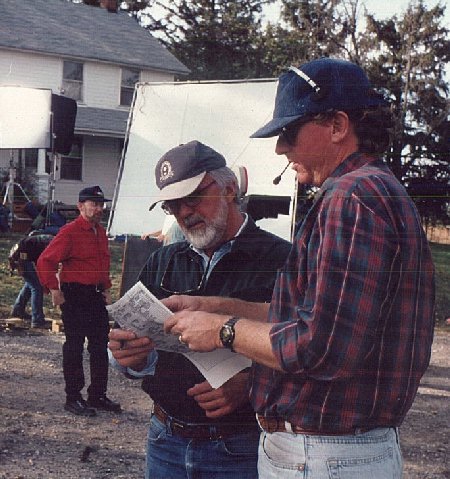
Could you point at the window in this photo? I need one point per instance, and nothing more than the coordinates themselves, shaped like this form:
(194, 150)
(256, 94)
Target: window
(72, 86)
(129, 79)
(29, 157)
(72, 164)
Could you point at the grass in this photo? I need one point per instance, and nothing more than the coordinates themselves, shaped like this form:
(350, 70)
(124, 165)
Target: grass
(10, 285)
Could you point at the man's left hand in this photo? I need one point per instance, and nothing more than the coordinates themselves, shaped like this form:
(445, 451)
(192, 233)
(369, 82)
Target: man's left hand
(198, 330)
(224, 400)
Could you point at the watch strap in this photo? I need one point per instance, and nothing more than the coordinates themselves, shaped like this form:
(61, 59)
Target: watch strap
(228, 339)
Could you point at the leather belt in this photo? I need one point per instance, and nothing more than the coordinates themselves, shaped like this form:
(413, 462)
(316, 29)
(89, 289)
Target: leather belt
(273, 424)
(206, 432)
(97, 288)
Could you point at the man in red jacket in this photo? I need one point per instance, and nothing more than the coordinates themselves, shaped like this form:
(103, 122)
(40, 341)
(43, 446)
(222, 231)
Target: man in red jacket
(75, 270)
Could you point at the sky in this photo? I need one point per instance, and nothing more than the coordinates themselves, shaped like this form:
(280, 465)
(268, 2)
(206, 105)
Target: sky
(381, 9)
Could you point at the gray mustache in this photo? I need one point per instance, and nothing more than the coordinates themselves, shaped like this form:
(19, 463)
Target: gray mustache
(191, 220)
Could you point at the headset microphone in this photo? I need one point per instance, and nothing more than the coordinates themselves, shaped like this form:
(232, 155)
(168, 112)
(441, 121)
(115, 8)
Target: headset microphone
(278, 178)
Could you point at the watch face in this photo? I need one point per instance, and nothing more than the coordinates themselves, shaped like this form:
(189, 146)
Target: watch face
(226, 334)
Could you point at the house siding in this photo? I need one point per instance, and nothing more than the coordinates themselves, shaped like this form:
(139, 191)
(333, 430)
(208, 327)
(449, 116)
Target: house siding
(101, 158)
(29, 70)
(101, 89)
(101, 81)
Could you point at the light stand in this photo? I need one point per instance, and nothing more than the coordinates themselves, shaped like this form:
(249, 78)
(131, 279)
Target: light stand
(51, 178)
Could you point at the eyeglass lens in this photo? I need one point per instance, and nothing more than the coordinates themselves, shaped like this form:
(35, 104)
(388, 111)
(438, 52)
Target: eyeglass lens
(172, 207)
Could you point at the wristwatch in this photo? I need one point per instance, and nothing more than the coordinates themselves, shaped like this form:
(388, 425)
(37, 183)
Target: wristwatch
(227, 333)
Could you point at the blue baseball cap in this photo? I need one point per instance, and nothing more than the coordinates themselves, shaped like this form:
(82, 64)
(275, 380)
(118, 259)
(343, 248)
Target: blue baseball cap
(318, 86)
(179, 171)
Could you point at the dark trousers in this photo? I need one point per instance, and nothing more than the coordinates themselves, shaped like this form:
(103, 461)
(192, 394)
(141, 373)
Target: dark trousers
(84, 317)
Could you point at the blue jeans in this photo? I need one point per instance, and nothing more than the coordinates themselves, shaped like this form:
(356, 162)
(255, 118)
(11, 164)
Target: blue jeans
(175, 457)
(21, 302)
(34, 287)
(372, 455)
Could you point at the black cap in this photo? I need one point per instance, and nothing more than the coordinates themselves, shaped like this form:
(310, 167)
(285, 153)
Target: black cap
(92, 193)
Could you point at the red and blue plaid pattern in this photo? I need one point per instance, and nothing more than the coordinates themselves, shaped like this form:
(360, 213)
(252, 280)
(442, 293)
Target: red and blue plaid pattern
(352, 308)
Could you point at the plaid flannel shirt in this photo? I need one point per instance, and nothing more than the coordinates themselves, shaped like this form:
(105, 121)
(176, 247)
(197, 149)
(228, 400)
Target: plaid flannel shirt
(352, 308)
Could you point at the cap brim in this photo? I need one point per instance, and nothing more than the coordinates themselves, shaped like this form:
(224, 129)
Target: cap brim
(179, 189)
(95, 200)
(274, 127)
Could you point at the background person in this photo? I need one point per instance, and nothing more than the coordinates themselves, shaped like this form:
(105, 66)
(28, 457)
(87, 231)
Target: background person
(195, 430)
(347, 337)
(23, 258)
(80, 253)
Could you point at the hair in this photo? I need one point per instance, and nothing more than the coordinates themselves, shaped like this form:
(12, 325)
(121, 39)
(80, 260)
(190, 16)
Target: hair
(373, 127)
(223, 177)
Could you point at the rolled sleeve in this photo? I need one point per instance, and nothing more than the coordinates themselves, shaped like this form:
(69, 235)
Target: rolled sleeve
(352, 260)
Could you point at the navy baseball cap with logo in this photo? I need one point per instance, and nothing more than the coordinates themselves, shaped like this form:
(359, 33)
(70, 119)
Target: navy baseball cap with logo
(179, 171)
(92, 193)
(318, 86)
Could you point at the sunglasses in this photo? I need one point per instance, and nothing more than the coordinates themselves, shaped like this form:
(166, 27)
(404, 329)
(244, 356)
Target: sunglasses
(289, 132)
(172, 207)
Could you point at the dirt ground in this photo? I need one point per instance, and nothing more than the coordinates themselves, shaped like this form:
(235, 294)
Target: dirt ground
(38, 439)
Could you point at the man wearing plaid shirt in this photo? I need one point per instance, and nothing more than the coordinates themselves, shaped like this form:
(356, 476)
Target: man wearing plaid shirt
(341, 349)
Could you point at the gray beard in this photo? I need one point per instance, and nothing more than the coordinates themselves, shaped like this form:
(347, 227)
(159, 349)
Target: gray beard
(212, 234)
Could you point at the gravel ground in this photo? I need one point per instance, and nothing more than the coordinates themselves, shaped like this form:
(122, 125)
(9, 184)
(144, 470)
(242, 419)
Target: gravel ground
(38, 439)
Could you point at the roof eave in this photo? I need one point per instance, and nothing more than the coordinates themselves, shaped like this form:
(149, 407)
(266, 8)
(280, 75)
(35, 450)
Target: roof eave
(140, 66)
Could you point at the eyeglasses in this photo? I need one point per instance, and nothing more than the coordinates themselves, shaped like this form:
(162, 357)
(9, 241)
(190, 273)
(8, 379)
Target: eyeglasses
(172, 207)
(289, 132)
(193, 284)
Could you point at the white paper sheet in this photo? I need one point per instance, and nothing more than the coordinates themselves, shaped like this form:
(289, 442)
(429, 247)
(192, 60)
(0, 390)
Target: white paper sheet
(141, 312)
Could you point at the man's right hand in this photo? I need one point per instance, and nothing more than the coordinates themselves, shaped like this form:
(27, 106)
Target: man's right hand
(57, 297)
(128, 350)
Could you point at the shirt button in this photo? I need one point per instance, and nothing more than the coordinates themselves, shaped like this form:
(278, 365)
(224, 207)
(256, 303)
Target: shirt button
(301, 467)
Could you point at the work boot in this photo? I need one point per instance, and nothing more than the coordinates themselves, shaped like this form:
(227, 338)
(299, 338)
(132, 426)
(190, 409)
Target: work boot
(20, 314)
(80, 408)
(104, 403)
(39, 325)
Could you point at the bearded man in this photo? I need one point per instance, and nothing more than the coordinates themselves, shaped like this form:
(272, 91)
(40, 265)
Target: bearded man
(195, 430)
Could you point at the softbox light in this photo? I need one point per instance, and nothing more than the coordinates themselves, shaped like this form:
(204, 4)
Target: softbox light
(25, 117)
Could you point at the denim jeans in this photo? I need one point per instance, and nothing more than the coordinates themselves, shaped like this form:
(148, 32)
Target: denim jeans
(34, 287)
(372, 455)
(175, 457)
(20, 305)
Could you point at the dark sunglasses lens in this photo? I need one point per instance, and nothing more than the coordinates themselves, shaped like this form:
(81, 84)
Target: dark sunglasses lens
(290, 132)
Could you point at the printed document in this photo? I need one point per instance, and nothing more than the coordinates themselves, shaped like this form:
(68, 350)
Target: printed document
(138, 310)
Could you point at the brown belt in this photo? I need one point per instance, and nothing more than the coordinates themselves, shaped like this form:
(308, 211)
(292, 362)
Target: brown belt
(205, 432)
(273, 424)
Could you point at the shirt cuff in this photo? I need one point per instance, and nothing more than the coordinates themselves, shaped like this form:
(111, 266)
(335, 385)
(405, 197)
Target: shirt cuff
(149, 369)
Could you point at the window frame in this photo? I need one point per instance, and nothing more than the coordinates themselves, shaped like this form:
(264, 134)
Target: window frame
(68, 162)
(73, 87)
(27, 156)
(126, 87)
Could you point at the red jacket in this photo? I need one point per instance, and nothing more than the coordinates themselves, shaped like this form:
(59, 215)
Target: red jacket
(82, 252)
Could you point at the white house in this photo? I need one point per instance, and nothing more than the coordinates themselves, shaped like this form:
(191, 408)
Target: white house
(93, 55)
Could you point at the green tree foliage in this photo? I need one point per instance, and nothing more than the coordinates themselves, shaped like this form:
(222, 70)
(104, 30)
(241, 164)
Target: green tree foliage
(216, 39)
(409, 62)
(405, 56)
